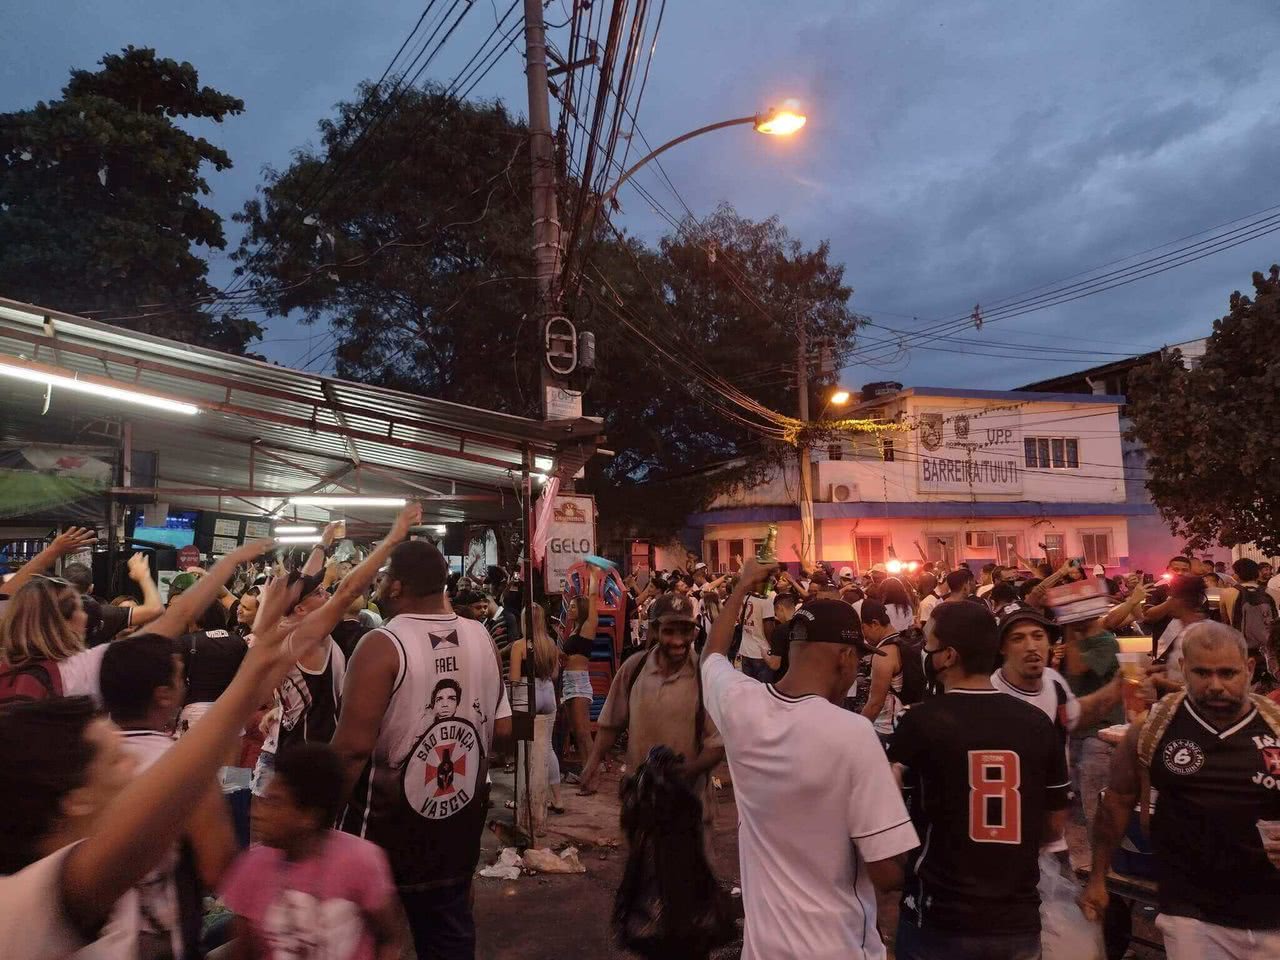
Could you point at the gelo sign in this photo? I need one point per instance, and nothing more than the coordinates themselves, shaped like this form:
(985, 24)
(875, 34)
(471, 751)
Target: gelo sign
(572, 536)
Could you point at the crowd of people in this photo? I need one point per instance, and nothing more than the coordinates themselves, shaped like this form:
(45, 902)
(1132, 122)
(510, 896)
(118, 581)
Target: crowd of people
(312, 742)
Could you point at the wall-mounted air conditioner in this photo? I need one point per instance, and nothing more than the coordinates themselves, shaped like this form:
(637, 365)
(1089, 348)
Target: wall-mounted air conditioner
(844, 492)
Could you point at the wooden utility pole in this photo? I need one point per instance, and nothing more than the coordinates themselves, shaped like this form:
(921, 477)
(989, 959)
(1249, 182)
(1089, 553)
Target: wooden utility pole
(807, 540)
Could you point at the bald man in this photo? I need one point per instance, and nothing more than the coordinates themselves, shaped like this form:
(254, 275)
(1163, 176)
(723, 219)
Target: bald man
(1213, 754)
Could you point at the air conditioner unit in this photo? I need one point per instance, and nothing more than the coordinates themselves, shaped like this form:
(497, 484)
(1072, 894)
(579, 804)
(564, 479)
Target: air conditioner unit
(979, 538)
(844, 492)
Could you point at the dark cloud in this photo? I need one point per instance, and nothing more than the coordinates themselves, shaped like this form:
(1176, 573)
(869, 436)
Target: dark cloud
(956, 153)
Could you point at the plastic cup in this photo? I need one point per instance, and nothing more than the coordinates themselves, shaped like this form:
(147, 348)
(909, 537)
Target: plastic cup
(1133, 666)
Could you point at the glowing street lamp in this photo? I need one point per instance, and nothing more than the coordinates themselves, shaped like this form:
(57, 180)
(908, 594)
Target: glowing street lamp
(780, 123)
(774, 122)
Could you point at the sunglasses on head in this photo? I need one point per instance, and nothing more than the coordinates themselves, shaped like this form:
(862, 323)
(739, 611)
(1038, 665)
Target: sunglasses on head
(56, 581)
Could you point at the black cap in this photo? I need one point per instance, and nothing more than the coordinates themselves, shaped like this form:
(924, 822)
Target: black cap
(829, 621)
(1016, 613)
(672, 606)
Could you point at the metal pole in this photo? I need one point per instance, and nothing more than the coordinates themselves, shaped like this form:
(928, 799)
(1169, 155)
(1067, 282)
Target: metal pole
(807, 540)
(546, 217)
(612, 191)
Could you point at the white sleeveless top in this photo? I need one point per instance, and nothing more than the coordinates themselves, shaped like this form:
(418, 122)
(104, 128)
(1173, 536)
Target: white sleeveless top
(422, 798)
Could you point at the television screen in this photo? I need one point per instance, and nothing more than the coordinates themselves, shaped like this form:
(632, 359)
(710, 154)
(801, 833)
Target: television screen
(179, 530)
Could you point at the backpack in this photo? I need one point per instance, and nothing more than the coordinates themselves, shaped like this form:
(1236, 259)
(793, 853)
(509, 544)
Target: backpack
(1158, 719)
(30, 680)
(1255, 617)
(911, 650)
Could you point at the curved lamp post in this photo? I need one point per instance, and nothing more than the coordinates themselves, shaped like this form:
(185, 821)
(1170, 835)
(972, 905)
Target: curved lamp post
(774, 123)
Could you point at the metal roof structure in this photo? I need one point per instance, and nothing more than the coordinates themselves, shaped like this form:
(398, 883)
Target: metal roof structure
(265, 432)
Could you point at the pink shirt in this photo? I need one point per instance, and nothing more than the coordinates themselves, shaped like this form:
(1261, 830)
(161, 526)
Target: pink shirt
(315, 907)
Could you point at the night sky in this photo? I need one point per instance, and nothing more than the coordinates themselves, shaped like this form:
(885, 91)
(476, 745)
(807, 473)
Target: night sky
(956, 153)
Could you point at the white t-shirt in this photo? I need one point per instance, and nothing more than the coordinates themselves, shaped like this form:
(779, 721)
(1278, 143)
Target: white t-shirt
(34, 925)
(80, 673)
(809, 778)
(158, 913)
(927, 605)
(756, 610)
(1170, 651)
(1273, 588)
(1046, 701)
(901, 619)
(1046, 698)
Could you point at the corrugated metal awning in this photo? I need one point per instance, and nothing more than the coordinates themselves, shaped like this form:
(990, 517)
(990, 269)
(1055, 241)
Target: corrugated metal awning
(266, 431)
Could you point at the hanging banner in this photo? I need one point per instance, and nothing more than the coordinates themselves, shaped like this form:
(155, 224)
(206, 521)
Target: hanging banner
(969, 451)
(571, 535)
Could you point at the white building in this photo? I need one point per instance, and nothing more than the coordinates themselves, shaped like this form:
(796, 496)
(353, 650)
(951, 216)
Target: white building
(970, 475)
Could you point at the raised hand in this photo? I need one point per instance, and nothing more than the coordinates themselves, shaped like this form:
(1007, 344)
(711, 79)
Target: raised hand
(139, 568)
(73, 539)
(754, 572)
(410, 516)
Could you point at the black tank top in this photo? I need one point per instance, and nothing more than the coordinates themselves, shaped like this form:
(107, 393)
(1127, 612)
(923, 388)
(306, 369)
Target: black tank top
(577, 646)
(1213, 788)
(309, 702)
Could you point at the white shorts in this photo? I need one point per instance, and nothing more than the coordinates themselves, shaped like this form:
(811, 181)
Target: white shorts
(576, 686)
(1188, 939)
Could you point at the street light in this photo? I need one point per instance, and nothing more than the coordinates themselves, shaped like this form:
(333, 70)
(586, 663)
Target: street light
(780, 123)
(839, 398)
(773, 122)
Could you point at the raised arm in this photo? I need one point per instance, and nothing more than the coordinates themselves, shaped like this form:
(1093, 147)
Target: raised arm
(316, 558)
(592, 623)
(152, 605)
(140, 826)
(753, 574)
(319, 623)
(191, 603)
(1119, 615)
(69, 541)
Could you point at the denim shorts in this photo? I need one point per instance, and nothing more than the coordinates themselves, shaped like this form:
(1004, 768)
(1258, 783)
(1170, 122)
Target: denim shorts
(576, 686)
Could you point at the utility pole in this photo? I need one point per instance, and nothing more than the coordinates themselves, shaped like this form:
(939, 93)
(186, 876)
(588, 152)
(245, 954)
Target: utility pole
(807, 539)
(559, 337)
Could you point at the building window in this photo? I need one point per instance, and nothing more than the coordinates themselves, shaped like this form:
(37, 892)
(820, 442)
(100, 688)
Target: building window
(1097, 548)
(735, 556)
(941, 548)
(711, 551)
(835, 451)
(886, 449)
(1055, 549)
(1051, 453)
(1006, 549)
(868, 551)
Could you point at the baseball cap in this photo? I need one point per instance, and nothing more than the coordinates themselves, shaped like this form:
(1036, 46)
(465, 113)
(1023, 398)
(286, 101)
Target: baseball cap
(1017, 613)
(699, 566)
(181, 583)
(829, 621)
(879, 568)
(672, 606)
(846, 573)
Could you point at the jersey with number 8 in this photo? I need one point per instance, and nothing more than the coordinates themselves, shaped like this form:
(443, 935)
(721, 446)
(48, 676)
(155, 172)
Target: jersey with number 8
(995, 805)
(982, 771)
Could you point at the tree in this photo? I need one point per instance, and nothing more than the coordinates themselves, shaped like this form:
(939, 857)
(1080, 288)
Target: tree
(100, 200)
(1208, 427)
(409, 232)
